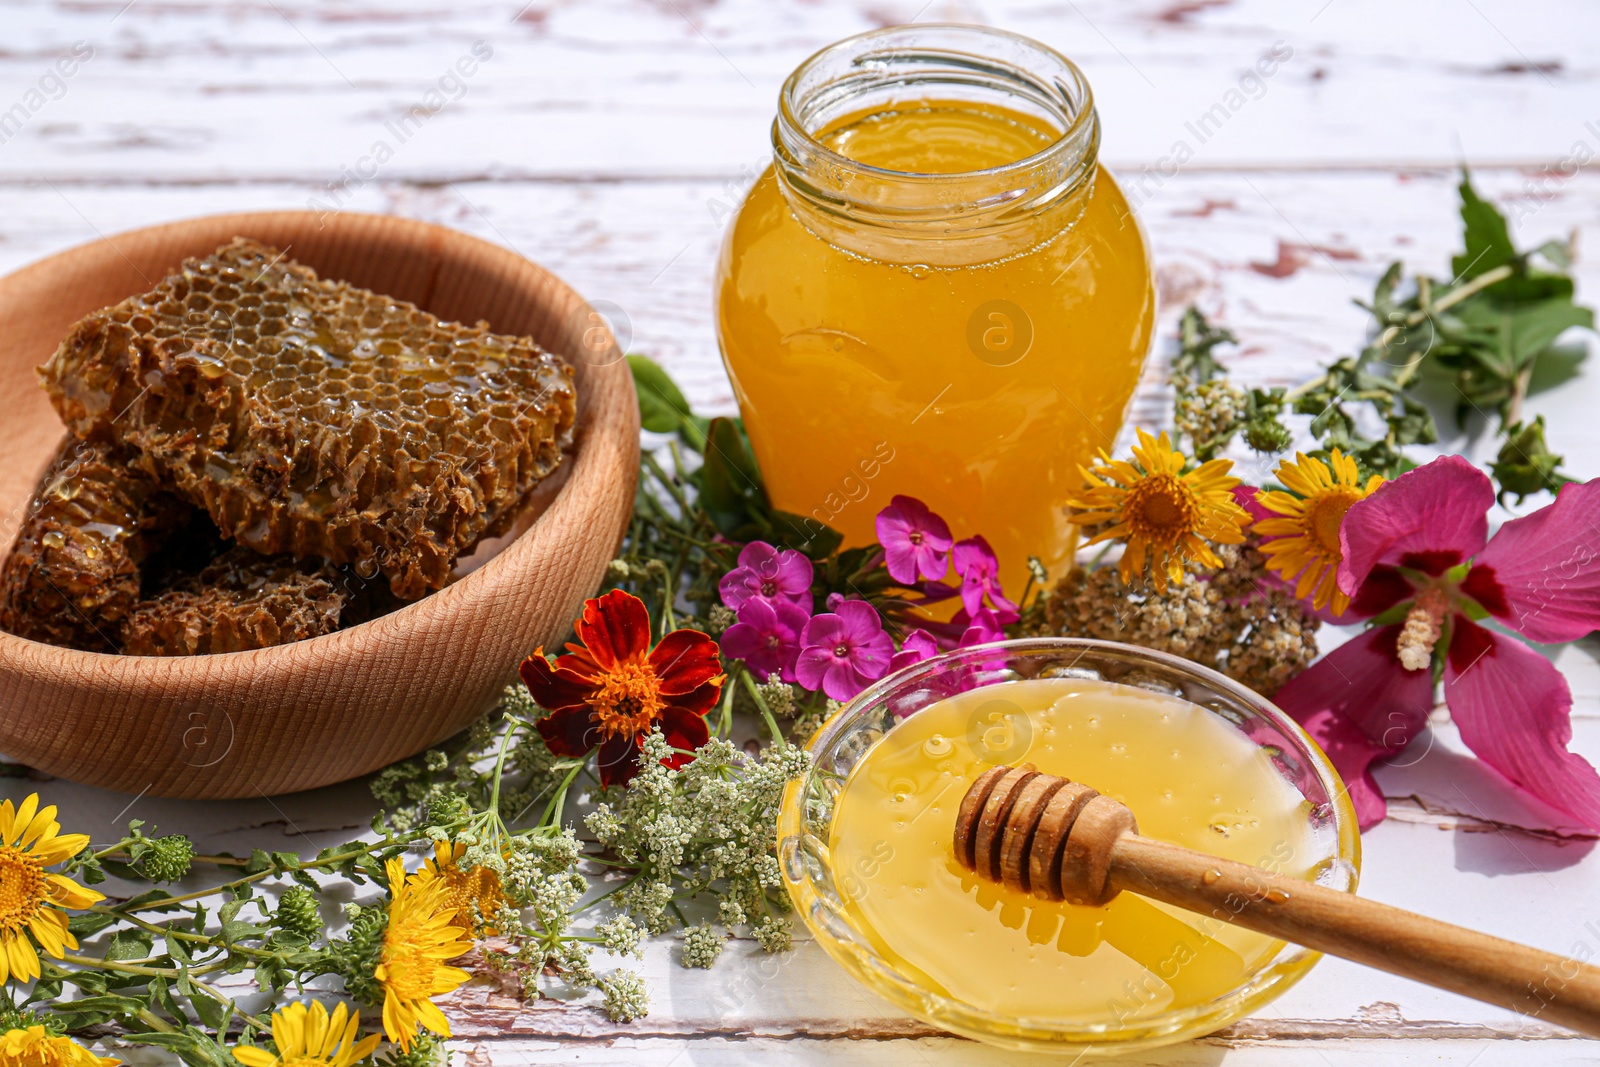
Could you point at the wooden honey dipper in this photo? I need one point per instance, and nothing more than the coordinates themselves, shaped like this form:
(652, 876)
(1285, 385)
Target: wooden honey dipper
(1061, 840)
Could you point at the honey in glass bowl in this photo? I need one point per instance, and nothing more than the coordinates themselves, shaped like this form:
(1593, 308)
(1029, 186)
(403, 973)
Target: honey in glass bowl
(1189, 777)
(866, 849)
(935, 289)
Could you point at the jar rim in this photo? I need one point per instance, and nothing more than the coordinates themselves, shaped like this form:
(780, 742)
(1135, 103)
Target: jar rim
(1083, 114)
(954, 217)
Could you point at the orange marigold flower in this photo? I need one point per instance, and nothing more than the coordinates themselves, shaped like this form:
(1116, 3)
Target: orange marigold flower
(612, 689)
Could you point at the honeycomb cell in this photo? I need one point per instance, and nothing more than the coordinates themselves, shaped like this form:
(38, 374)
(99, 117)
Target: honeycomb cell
(278, 468)
(240, 601)
(73, 572)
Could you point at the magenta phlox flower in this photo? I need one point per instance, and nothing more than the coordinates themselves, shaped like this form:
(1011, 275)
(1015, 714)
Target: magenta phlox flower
(844, 650)
(918, 646)
(975, 562)
(767, 637)
(770, 574)
(916, 542)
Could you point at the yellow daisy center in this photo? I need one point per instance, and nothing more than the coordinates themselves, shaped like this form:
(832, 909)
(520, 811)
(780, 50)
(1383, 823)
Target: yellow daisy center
(1324, 513)
(36, 1047)
(628, 701)
(1161, 507)
(23, 889)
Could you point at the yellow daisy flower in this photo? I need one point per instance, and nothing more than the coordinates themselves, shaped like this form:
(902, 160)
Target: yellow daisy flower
(466, 889)
(423, 933)
(34, 1046)
(32, 899)
(1165, 516)
(308, 1037)
(1303, 546)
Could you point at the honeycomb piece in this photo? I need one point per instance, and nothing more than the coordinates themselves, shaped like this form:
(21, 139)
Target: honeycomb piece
(316, 419)
(239, 601)
(73, 572)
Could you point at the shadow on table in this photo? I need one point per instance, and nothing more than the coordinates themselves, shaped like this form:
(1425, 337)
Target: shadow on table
(1498, 828)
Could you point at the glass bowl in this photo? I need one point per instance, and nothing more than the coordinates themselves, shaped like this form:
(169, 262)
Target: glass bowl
(804, 826)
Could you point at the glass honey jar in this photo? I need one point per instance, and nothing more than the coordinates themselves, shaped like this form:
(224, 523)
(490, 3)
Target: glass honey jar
(935, 289)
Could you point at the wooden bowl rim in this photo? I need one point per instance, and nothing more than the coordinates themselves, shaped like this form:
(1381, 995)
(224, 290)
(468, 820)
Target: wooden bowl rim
(453, 599)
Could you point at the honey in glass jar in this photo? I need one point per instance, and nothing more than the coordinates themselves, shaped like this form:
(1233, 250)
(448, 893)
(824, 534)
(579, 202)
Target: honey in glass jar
(935, 289)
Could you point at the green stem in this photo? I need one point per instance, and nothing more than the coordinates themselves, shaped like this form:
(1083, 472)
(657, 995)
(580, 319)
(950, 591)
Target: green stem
(181, 935)
(725, 726)
(138, 968)
(609, 892)
(326, 861)
(1519, 393)
(1428, 307)
(499, 770)
(766, 712)
(150, 905)
(559, 801)
(155, 1022)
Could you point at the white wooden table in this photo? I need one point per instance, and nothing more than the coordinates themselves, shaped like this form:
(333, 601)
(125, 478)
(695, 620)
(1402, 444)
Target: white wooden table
(608, 139)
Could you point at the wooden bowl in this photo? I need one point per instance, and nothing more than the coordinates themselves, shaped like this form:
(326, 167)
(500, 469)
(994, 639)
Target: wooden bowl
(324, 710)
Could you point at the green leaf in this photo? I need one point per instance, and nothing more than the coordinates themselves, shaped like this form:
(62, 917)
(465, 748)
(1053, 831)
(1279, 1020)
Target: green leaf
(212, 1012)
(94, 1010)
(1511, 335)
(1525, 464)
(194, 1047)
(161, 996)
(731, 490)
(89, 923)
(1559, 253)
(1488, 238)
(130, 945)
(147, 897)
(662, 406)
(801, 532)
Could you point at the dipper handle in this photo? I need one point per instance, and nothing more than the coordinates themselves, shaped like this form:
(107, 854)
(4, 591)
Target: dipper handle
(1060, 840)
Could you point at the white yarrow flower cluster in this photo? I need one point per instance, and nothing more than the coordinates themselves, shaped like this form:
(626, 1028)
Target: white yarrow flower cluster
(702, 945)
(708, 828)
(626, 996)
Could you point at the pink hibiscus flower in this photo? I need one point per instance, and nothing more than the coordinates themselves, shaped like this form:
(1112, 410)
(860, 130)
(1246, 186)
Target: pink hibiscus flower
(844, 650)
(915, 541)
(1419, 561)
(767, 636)
(770, 574)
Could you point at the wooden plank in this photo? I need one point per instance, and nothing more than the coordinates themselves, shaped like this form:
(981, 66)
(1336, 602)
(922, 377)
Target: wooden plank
(179, 90)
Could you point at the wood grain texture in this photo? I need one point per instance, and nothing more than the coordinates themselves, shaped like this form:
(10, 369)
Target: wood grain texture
(313, 712)
(651, 88)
